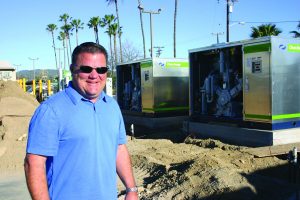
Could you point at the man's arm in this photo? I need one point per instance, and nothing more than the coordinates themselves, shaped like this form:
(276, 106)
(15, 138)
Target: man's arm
(124, 170)
(35, 172)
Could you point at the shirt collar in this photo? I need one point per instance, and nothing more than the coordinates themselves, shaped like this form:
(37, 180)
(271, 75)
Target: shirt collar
(76, 97)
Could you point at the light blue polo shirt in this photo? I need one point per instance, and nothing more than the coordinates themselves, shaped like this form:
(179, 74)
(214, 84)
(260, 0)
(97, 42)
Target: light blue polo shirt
(80, 140)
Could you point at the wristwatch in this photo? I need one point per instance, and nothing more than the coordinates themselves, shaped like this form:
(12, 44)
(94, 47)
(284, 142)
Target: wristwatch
(132, 189)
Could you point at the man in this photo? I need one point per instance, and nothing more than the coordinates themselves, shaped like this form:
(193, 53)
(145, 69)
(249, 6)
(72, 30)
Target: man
(76, 140)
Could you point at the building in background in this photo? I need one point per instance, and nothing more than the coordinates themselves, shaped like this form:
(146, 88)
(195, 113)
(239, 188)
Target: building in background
(7, 72)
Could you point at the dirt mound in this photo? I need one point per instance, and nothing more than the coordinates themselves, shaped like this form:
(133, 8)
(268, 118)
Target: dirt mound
(210, 143)
(16, 109)
(14, 101)
(205, 169)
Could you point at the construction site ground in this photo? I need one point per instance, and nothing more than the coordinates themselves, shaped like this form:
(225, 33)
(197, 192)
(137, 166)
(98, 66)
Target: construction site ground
(167, 164)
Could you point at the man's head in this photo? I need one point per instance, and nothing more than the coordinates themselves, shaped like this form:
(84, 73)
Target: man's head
(89, 69)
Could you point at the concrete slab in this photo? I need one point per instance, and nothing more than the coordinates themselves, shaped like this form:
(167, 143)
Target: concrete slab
(286, 136)
(242, 136)
(155, 122)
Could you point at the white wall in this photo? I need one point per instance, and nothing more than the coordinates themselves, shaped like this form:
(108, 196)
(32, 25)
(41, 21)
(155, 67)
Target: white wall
(8, 75)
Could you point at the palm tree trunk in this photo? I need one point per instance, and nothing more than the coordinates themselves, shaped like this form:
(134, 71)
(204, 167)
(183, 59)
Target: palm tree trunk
(64, 47)
(119, 30)
(116, 57)
(70, 44)
(174, 36)
(111, 52)
(76, 37)
(54, 49)
(142, 28)
(96, 35)
(67, 52)
(120, 43)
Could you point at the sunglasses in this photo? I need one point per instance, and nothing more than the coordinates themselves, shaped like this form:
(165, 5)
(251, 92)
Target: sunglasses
(89, 69)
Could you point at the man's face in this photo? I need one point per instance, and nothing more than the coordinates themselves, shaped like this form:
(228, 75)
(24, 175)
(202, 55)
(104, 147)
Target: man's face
(89, 85)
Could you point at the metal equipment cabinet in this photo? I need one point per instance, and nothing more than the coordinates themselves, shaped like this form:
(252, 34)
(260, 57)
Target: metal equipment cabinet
(248, 84)
(155, 86)
(154, 92)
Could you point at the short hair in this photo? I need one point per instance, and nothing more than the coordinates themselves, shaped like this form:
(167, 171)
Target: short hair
(87, 47)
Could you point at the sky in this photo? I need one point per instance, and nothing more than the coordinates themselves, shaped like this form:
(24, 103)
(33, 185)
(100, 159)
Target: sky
(23, 25)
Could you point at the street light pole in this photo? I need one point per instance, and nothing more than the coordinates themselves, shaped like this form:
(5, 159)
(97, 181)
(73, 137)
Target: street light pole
(33, 59)
(150, 12)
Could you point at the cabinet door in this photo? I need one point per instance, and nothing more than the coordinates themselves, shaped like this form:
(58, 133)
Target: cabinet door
(147, 86)
(256, 86)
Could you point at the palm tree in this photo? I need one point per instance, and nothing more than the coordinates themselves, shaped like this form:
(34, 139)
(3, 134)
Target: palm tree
(107, 21)
(51, 28)
(93, 23)
(77, 24)
(120, 32)
(62, 38)
(142, 27)
(110, 34)
(66, 28)
(296, 33)
(174, 36)
(113, 30)
(118, 24)
(265, 30)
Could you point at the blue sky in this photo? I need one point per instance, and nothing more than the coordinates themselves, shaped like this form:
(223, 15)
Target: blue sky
(23, 24)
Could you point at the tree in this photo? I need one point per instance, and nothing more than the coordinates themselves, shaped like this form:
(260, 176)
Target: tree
(93, 23)
(62, 38)
(130, 53)
(77, 24)
(51, 28)
(174, 36)
(265, 30)
(107, 21)
(142, 27)
(118, 24)
(296, 33)
(113, 29)
(66, 28)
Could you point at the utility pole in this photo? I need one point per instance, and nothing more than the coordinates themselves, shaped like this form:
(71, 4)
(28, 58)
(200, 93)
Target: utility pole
(33, 59)
(158, 51)
(229, 9)
(17, 66)
(217, 34)
(150, 12)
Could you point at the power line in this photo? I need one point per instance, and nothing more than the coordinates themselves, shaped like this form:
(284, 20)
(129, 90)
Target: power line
(150, 12)
(274, 22)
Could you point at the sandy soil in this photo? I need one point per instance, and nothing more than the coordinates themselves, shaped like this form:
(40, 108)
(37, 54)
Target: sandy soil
(167, 165)
(206, 169)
